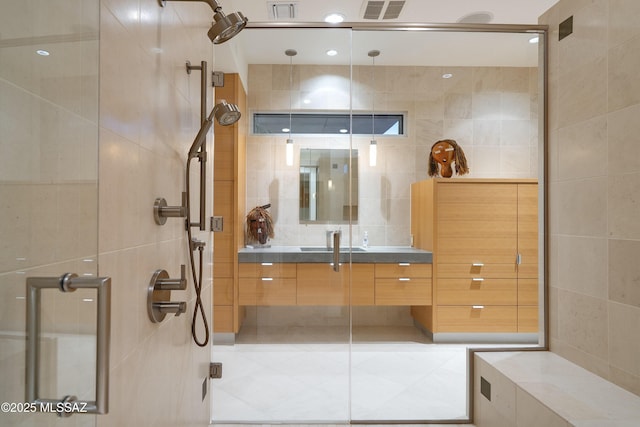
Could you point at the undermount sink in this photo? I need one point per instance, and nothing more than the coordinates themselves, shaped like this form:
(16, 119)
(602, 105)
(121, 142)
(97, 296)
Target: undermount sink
(324, 249)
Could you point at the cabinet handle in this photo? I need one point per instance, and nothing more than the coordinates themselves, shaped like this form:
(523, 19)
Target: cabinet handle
(266, 263)
(404, 264)
(404, 279)
(477, 307)
(267, 279)
(477, 279)
(519, 259)
(478, 264)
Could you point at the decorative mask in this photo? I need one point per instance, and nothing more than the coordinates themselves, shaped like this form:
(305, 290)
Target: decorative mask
(443, 155)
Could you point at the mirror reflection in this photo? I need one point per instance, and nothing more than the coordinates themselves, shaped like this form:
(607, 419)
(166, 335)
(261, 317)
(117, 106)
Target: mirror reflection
(325, 175)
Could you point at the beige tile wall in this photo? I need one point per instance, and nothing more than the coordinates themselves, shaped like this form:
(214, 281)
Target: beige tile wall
(595, 187)
(490, 111)
(149, 116)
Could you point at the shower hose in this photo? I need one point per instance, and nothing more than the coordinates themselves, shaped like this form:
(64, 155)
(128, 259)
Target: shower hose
(197, 279)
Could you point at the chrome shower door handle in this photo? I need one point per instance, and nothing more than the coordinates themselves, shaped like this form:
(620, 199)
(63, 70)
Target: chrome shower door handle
(336, 251)
(69, 283)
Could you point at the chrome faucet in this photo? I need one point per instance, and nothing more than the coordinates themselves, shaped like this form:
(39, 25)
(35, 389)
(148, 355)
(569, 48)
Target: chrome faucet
(331, 238)
(333, 243)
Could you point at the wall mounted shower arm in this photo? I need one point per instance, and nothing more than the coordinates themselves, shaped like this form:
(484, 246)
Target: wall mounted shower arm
(224, 26)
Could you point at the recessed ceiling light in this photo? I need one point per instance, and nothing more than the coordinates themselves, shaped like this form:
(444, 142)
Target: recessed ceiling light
(534, 40)
(285, 130)
(447, 75)
(332, 52)
(334, 18)
(482, 17)
(42, 52)
(344, 130)
(307, 101)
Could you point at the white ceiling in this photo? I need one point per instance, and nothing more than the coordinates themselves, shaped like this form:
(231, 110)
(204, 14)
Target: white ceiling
(260, 46)
(433, 11)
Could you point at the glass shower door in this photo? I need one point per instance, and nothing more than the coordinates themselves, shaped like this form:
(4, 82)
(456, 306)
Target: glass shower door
(48, 200)
(290, 359)
(482, 90)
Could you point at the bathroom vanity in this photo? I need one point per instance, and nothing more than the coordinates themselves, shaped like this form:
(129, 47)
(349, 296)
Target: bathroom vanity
(304, 276)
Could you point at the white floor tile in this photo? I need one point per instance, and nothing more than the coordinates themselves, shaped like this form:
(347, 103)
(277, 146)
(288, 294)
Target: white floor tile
(395, 375)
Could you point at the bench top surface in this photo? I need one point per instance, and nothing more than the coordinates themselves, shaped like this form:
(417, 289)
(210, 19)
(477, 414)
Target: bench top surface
(576, 394)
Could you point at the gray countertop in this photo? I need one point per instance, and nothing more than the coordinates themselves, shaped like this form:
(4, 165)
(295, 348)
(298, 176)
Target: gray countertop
(294, 254)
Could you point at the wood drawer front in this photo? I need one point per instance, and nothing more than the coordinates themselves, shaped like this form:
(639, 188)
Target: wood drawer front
(528, 318)
(223, 291)
(469, 319)
(403, 292)
(470, 250)
(362, 284)
(318, 284)
(402, 269)
(266, 291)
(267, 269)
(487, 271)
(528, 292)
(474, 292)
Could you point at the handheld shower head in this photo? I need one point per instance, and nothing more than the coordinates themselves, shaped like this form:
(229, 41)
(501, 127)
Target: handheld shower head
(224, 26)
(225, 114)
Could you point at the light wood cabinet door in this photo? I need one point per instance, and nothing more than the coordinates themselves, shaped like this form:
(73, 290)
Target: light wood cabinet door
(484, 237)
(528, 230)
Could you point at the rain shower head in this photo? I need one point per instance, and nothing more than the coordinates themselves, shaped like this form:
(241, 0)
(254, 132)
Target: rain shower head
(224, 26)
(225, 114)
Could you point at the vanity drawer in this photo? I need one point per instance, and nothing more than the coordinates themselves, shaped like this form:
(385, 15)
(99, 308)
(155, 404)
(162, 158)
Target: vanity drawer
(318, 284)
(266, 291)
(403, 291)
(481, 291)
(266, 269)
(403, 269)
(477, 269)
(477, 318)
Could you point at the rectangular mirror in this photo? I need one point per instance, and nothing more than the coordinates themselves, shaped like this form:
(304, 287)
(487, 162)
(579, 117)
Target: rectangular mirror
(325, 175)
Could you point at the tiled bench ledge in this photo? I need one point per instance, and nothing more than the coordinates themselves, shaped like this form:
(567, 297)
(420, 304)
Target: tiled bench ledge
(540, 388)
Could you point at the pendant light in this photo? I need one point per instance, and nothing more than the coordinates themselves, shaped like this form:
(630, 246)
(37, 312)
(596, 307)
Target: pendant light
(289, 147)
(373, 145)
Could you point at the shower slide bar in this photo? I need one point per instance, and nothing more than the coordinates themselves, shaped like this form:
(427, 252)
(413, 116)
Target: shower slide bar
(69, 405)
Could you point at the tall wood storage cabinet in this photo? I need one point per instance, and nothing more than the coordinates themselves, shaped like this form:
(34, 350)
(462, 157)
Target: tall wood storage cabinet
(229, 171)
(484, 237)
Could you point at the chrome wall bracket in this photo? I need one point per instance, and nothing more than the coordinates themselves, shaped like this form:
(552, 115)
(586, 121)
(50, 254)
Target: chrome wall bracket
(161, 211)
(159, 302)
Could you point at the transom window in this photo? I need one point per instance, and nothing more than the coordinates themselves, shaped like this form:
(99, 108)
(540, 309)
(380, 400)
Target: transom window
(328, 123)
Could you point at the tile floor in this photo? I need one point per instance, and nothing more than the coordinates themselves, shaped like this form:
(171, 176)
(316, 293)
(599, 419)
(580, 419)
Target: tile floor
(302, 375)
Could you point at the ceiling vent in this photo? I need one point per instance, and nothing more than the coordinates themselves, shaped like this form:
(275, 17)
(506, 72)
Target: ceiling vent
(282, 11)
(382, 9)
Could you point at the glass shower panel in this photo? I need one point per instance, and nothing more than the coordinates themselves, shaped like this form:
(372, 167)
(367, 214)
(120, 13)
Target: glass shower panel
(480, 89)
(48, 195)
(290, 359)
